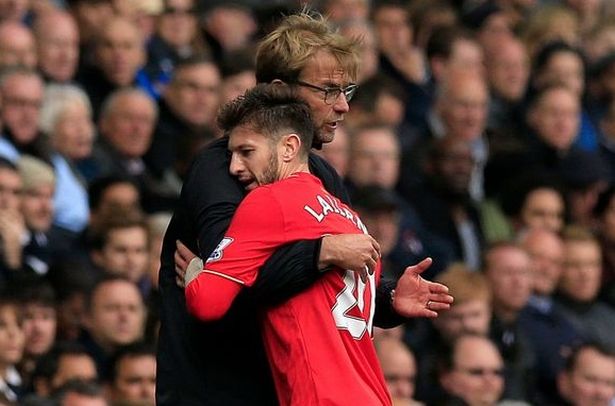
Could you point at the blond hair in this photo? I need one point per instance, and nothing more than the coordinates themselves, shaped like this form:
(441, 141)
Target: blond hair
(286, 51)
(465, 284)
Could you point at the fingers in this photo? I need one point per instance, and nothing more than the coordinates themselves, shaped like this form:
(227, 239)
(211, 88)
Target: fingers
(184, 251)
(435, 287)
(376, 247)
(180, 282)
(441, 298)
(438, 306)
(420, 267)
(180, 261)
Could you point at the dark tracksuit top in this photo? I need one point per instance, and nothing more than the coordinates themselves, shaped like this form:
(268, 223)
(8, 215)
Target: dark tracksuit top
(223, 362)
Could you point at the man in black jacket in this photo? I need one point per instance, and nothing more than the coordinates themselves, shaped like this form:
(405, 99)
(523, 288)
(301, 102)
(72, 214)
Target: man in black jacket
(223, 363)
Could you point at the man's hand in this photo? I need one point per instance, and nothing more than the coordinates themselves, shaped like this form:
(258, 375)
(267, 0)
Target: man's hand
(417, 297)
(356, 252)
(182, 256)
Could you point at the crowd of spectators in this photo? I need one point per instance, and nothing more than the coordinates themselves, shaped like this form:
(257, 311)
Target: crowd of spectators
(482, 135)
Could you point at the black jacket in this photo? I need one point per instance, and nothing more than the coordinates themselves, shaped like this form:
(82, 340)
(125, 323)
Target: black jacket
(223, 362)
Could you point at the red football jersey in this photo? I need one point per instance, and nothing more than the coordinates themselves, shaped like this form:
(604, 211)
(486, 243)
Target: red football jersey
(319, 342)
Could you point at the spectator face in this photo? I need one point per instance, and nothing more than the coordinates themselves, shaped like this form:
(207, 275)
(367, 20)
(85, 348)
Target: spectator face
(125, 253)
(74, 132)
(454, 166)
(508, 70)
(469, 317)
(13, 10)
(383, 226)
(236, 85)
(119, 195)
(37, 207)
(495, 30)
(346, 10)
(17, 46)
(193, 94)
(375, 158)
(178, 24)
(136, 379)
(466, 56)
(392, 27)
(564, 67)
(39, 326)
(543, 208)
(476, 376)
(323, 70)
(10, 190)
(117, 316)
(58, 46)
(509, 275)
(254, 161)
(77, 399)
(399, 368)
(120, 52)
(582, 270)
(555, 118)
(11, 336)
(368, 50)
(71, 312)
(389, 109)
(231, 26)
(607, 223)
(74, 366)
(546, 253)
(129, 124)
(22, 96)
(92, 17)
(337, 152)
(463, 106)
(592, 380)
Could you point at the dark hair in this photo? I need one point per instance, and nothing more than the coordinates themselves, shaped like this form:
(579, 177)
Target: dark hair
(48, 364)
(85, 388)
(441, 42)
(520, 187)
(38, 292)
(549, 50)
(98, 187)
(191, 61)
(117, 219)
(270, 109)
(601, 348)
(106, 279)
(375, 87)
(237, 61)
(134, 350)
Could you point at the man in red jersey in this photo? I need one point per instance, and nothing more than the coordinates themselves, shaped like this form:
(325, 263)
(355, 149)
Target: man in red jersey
(318, 342)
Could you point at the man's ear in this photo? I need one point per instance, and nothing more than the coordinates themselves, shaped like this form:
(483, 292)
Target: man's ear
(291, 144)
(277, 82)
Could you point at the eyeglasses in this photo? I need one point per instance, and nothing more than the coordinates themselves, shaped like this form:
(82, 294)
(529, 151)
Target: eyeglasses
(483, 371)
(332, 92)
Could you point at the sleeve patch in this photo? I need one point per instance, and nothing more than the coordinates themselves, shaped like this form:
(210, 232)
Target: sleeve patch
(218, 253)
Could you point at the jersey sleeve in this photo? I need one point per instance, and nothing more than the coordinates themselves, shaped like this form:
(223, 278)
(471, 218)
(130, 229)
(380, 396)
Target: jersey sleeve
(256, 230)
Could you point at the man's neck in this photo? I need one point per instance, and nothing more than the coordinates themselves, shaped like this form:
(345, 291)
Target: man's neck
(293, 167)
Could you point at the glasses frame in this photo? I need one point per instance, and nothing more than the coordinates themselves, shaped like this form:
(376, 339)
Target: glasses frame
(332, 93)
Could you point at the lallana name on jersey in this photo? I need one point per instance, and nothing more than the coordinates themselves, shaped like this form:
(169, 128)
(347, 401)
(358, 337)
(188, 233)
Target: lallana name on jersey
(330, 205)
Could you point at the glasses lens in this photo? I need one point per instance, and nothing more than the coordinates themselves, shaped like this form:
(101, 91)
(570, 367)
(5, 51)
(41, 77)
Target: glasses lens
(349, 91)
(331, 95)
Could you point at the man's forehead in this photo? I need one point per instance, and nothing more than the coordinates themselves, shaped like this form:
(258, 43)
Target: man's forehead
(244, 135)
(324, 67)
